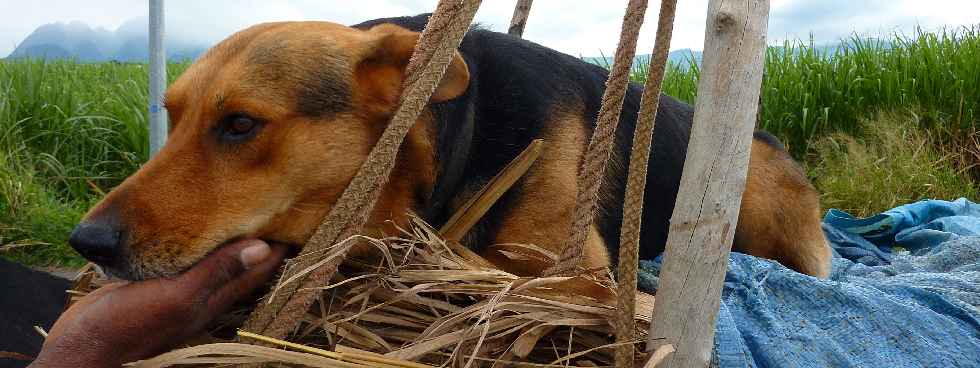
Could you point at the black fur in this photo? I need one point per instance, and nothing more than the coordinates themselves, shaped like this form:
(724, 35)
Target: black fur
(28, 298)
(515, 84)
(769, 139)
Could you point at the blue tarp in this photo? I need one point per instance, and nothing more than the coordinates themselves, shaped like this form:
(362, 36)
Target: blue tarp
(904, 292)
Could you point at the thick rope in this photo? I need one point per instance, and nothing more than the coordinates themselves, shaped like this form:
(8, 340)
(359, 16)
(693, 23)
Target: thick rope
(594, 163)
(519, 20)
(288, 303)
(629, 237)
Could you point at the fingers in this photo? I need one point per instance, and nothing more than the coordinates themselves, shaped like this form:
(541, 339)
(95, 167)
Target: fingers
(256, 276)
(231, 273)
(223, 266)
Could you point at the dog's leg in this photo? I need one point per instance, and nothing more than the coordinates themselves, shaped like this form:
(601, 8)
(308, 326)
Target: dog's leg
(780, 213)
(542, 214)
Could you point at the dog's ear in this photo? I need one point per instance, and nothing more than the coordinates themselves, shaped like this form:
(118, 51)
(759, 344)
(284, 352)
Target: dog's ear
(382, 70)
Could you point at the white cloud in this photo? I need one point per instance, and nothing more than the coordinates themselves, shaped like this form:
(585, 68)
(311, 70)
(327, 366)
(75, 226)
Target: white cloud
(578, 27)
(830, 20)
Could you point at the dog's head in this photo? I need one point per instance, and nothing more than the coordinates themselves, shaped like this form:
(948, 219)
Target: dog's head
(267, 129)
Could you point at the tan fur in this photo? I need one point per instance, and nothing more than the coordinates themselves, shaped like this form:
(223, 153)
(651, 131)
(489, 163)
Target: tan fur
(780, 214)
(543, 213)
(198, 194)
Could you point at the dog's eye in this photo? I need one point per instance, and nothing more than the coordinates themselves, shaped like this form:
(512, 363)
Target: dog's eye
(238, 127)
(241, 125)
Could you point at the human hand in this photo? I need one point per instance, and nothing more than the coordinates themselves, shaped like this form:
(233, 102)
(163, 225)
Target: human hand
(128, 321)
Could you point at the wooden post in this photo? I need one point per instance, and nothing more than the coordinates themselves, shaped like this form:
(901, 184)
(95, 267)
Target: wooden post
(519, 20)
(703, 223)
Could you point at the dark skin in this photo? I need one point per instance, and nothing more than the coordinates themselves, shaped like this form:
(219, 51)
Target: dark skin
(130, 321)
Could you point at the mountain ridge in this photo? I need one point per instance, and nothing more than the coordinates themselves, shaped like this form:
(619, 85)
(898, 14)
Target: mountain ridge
(79, 41)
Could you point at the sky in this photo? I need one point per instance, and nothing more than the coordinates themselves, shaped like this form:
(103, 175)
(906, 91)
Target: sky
(577, 27)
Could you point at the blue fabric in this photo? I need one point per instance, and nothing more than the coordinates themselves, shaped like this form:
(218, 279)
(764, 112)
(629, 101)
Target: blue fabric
(904, 292)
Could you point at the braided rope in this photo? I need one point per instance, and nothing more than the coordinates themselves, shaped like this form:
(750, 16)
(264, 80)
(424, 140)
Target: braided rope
(433, 54)
(629, 238)
(594, 163)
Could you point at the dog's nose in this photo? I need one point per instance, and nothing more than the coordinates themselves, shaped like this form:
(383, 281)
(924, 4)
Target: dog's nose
(96, 242)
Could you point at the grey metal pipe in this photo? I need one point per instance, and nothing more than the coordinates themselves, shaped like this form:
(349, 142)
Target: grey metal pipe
(158, 78)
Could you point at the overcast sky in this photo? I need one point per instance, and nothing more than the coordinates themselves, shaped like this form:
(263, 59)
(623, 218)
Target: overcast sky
(578, 27)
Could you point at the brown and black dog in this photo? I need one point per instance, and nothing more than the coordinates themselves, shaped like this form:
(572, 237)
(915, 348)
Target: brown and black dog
(271, 124)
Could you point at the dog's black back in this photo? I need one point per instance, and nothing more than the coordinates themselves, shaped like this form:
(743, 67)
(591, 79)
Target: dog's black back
(514, 85)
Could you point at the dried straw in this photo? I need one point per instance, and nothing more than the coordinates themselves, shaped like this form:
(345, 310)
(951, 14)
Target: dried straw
(416, 299)
(413, 302)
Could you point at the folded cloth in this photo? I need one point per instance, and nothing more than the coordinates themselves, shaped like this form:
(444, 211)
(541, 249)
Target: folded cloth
(904, 292)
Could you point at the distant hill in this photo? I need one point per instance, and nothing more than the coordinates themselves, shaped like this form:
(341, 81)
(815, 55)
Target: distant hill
(77, 40)
(681, 57)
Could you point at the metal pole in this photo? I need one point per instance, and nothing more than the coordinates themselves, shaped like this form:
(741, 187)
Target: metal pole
(158, 78)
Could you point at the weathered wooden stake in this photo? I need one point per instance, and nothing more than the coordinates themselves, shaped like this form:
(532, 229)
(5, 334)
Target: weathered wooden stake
(519, 20)
(703, 223)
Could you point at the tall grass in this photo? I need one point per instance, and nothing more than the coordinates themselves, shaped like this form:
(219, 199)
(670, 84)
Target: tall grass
(69, 132)
(893, 161)
(680, 78)
(808, 93)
